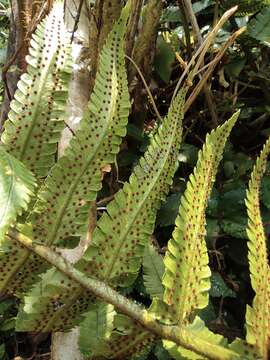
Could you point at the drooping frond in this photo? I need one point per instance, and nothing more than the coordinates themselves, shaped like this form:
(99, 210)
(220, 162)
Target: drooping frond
(65, 198)
(121, 234)
(258, 316)
(64, 201)
(37, 112)
(132, 213)
(187, 274)
(16, 188)
(96, 329)
(199, 332)
(153, 270)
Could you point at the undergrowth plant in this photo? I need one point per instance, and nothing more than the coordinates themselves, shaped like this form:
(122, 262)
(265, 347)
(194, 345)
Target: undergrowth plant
(45, 204)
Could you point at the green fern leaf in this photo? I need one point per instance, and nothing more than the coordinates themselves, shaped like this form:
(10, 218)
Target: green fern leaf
(259, 28)
(128, 340)
(129, 221)
(65, 198)
(16, 188)
(52, 304)
(187, 274)
(37, 113)
(245, 350)
(153, 270)
(96, 329)
(258, 316)
(64, 201)
(149, 183)
(94, 146)
(200, 332)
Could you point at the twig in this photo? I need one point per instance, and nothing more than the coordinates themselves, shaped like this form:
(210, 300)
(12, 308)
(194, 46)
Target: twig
(211, 68)
(146, 87)
(207, 90)
(202, 50)
(186, 28)
(76, 21)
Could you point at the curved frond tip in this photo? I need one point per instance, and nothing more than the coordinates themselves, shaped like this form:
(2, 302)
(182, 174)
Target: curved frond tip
(187, 274)
(37, 113)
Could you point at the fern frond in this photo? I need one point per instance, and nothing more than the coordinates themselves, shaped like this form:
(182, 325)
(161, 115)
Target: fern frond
(37, 112)
(128, 340)
(65, 198)
(52, 304)
(96, 329)
(258, 316)
(129, 221)
(64, 201)
(153, 270)
(132, 213)
(17, 185)
(187, 274)
(199, 331)
(245, 350)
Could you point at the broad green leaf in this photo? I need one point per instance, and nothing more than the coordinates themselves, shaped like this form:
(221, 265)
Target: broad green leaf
(16, 188)
(219, 287)
(258, 316)
(259, 27)
(36, 117)
(169, 210)
(164, 59)
(187, 274)
(153, 269)
(235, 226)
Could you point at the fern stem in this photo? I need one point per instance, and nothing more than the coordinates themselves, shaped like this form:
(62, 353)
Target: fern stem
(177, 334)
